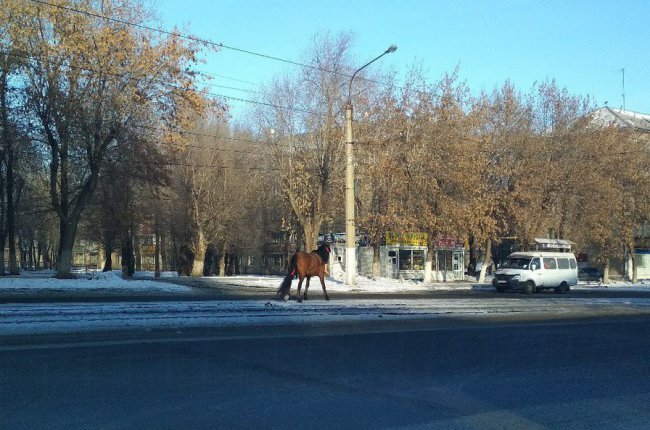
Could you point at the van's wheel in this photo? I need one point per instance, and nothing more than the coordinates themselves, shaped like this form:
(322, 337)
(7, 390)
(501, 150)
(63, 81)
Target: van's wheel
(563, 288)
(529, 287)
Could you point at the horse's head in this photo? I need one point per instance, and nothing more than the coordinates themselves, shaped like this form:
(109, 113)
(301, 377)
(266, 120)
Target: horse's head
(324, 252)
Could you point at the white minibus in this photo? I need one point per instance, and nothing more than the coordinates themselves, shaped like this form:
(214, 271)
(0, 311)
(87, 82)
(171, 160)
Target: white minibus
(536, 270)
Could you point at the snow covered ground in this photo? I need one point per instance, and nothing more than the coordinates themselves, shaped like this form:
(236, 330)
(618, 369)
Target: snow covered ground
(43, 318)
(43, 281)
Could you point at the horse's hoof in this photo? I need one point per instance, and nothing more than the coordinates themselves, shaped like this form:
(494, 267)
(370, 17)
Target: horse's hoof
(327, 298)
(299, 300)
(285, 298)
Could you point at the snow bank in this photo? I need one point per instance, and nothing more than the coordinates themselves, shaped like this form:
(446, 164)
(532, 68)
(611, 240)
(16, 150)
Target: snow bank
(335, 282)
(44, 281)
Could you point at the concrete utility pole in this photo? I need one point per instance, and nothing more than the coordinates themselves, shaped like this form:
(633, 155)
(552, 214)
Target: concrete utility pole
(350, 230)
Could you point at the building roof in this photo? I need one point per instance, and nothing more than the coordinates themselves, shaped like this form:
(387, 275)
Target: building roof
(606, 116)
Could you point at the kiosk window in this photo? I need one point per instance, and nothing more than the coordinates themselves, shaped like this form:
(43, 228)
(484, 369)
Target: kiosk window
(411, 259)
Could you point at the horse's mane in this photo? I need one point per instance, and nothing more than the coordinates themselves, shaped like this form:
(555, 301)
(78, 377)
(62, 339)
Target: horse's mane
(323, 252)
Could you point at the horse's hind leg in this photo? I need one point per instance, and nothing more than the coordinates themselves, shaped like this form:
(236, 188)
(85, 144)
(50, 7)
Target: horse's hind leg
(322, 283)
(299, 286)
(306, 288)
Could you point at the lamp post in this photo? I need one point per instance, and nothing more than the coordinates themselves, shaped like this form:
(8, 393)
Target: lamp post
(350, 230)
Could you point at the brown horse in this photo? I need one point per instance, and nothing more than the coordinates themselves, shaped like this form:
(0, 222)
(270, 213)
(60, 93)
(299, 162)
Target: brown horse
(306, 265)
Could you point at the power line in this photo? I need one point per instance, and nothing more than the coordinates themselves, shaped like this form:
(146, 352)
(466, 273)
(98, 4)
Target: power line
(253, 142)
(183, 36)
(209, 148)
(175, 130)
(234, 88)
(163, 82)
(202, 41)
(218, 75)
(207, 42)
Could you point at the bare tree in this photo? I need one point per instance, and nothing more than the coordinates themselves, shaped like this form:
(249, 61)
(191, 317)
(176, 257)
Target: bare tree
(302, 117)
(383, 139)
(215, 179)
(443, 157)
(91, 83)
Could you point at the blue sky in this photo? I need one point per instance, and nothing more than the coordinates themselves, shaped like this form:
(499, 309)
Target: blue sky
(583, 45)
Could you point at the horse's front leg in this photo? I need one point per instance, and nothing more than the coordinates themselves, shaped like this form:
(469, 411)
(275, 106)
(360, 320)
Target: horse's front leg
(299, 286)
(306, 288)
(322, 283)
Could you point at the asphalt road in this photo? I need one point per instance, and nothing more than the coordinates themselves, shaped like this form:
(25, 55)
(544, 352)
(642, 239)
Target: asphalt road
(444, 373)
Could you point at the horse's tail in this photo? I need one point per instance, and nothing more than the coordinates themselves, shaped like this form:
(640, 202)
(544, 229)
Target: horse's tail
(285, 287)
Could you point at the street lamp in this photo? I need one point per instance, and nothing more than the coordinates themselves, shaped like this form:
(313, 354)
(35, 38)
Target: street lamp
(350, 230)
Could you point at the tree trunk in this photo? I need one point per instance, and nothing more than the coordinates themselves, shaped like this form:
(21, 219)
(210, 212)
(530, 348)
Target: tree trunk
(38, 254)
(236, 264)
(64, 263)
(128, 259)
(199, 246)
(44, 253)
(9, 216)
(428, 266)
(11, 209)
(222, 261)
(60, 194)
(108, 260)
(630, 247)
(309, 224)
(31, 254)
(52, 258)
(137, 248)
(163, 254)
(376, 260)
(310, 232)
(606, 272)
(107, 247)
(471, 267)
(22, 253)
(67, 233)
(486, 261)
(156, 251)
(3, 219)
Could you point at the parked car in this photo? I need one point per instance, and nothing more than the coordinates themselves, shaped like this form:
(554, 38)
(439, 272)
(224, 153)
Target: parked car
(589, 274)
